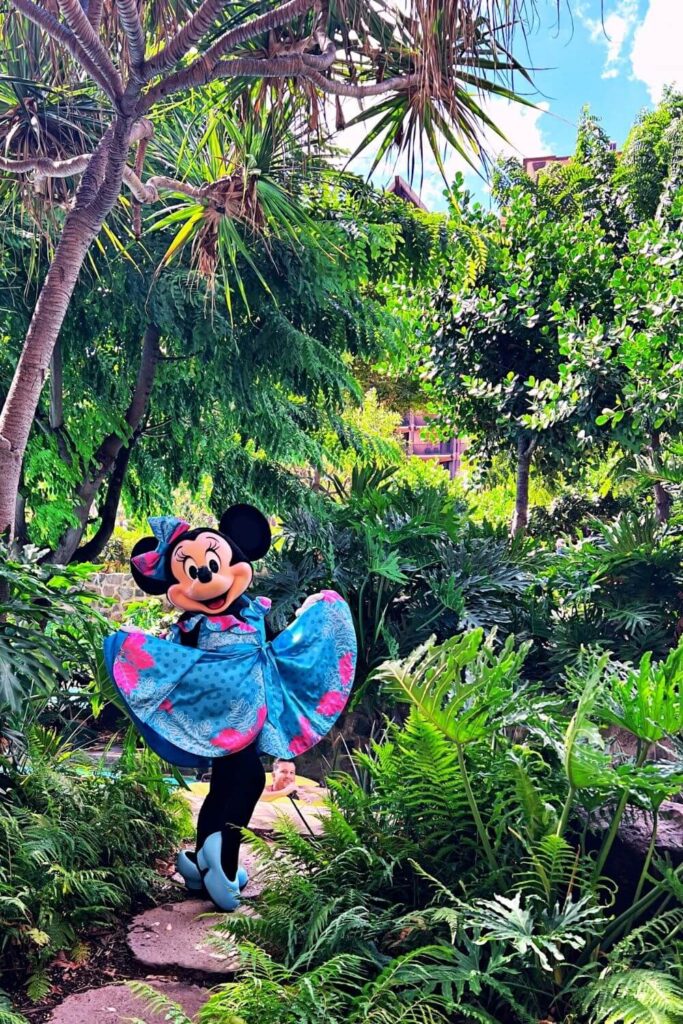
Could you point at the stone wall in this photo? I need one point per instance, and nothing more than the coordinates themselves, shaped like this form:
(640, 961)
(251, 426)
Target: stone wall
(118, 585)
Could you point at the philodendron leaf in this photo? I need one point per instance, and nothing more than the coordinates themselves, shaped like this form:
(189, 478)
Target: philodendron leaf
(463, 687)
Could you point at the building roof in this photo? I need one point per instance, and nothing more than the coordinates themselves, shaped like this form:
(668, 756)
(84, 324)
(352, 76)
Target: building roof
(402, 189)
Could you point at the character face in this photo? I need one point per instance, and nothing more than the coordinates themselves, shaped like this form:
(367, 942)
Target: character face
(284, 773)
(206, 578)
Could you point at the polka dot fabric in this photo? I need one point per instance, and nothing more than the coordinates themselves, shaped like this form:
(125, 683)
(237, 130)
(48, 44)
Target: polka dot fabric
(235, 686)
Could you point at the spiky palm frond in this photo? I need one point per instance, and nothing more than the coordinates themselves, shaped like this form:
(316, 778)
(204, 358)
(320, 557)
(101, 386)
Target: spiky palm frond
(458, 52)
(248, 173)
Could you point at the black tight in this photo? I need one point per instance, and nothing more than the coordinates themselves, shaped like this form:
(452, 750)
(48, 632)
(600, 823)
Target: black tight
(237, 781)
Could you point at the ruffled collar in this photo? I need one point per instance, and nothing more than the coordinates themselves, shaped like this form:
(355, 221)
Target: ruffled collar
(223, 623)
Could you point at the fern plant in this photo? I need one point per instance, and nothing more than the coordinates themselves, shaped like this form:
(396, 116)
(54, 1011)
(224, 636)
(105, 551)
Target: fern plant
(75, 848)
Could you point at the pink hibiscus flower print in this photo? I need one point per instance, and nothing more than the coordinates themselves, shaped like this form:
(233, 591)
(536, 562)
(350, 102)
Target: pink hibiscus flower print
(132, 659)
(332, 703)
(331, 596)
(235, 739)
(306, 739)
(265, 602)
(165, 705)
(346, 669)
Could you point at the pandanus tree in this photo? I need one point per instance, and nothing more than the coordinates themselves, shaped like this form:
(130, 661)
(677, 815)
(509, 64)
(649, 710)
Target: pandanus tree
(425, 62)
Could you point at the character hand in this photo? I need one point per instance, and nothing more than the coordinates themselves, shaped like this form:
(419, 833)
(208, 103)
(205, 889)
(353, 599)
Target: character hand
(313, 599)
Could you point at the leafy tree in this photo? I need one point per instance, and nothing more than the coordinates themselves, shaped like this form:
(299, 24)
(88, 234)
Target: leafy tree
(271, 376)
(627, 349)
(423, 67)
(571, 326)
(492, 344)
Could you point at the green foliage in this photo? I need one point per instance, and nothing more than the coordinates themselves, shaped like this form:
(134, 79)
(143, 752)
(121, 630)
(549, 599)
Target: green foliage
(49, 628)
(78, 845)
(404, 558)
(649, 151)
(633, 997)
(400, 879)
(617, 590)
(495, 342)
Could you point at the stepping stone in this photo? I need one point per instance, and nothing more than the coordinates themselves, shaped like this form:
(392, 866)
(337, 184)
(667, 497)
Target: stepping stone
(176, 935)
(115, 1003)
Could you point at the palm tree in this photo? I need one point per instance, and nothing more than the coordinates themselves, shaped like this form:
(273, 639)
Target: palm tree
(425, 61)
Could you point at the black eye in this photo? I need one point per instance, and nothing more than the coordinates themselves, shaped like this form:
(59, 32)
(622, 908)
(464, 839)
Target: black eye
(192, 572)
(214, 565)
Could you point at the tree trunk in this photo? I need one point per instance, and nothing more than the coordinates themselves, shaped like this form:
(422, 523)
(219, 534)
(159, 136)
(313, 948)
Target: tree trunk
(95, 197)
(56, 388)
(108, 451)
(663, 499)
(93, 548)
(525, 451)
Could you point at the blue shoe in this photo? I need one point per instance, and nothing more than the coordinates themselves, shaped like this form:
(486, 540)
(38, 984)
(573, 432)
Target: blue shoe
(224, 892)
(192, 876)
(187, 867)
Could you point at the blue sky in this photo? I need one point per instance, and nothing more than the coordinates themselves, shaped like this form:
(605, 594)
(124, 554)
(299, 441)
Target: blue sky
(617, 70)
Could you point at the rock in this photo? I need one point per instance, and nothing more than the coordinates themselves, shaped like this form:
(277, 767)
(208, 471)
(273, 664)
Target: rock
(176, 935)
(623, 746)
(635, 830)
(117, 1003)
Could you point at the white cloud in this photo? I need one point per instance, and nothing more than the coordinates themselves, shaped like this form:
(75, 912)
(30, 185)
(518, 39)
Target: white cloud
(657, 54)
(612, 31)
(521, 125)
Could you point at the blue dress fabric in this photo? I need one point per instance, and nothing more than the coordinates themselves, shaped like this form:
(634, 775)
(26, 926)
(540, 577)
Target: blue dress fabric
(194, 704)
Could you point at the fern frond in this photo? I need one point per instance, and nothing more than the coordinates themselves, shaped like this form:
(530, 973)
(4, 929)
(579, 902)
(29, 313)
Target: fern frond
(633, 997)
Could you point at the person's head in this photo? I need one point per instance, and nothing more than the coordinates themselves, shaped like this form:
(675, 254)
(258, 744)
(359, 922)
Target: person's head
(284, 773)
(201, 570)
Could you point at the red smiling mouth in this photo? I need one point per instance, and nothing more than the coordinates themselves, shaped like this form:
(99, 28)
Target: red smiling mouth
(214, 603)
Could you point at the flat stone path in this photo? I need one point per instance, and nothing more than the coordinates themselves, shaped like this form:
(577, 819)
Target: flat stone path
(175, 936)
(114, 1003)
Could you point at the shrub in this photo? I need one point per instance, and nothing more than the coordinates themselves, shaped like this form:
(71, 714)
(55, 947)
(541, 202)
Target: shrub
(76, 847)
(465, 873)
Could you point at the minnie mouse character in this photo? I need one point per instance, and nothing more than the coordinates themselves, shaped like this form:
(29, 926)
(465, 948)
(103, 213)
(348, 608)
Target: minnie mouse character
(224, 690)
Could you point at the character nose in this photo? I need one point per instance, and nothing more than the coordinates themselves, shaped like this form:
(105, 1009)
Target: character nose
(204, 574)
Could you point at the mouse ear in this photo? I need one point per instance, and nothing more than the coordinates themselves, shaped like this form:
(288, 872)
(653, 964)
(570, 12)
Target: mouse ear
(248, 528)
(142, 572)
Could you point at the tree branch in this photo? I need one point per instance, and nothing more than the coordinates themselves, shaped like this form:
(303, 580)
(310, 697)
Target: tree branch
(285, 66)
(107, 453)
(148, 192)
(200, 23)
(45, 167)
(86, 35)
(400, 83)
(130, 22)
(322, 61)
(95, 13)
(94, 547)
(61, 34)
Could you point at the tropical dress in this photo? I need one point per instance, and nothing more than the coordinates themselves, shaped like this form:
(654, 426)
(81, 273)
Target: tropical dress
(194, 704)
